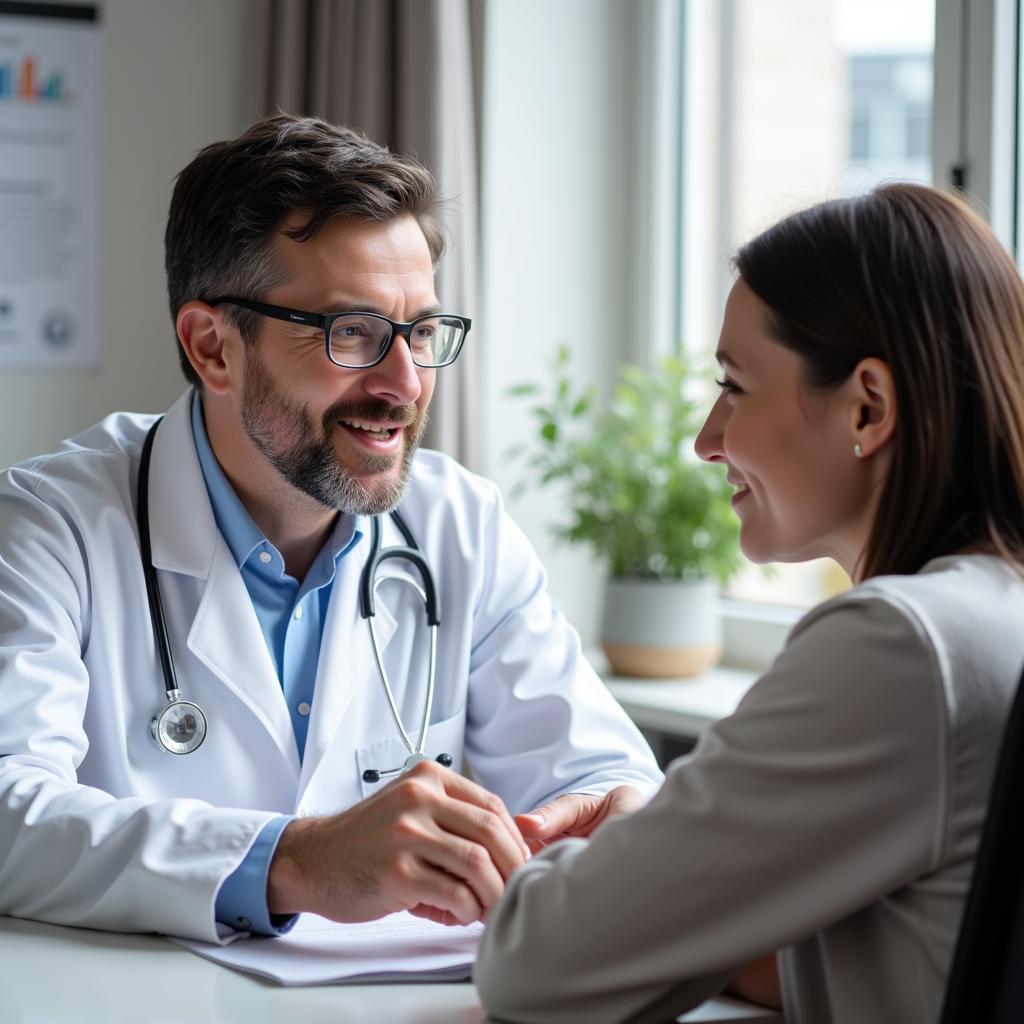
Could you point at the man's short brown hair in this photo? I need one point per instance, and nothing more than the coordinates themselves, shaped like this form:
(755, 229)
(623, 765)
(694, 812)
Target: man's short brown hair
(232, 198)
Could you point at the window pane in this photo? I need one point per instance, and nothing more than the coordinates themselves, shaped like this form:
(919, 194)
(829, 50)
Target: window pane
(1019, 226)
(802, 100)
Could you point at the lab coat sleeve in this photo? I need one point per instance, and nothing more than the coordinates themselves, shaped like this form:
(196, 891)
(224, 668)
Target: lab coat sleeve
(819, 795)
(540, 723)
(69, 853)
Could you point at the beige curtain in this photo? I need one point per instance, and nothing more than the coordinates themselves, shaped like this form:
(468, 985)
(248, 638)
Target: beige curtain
(408, 73)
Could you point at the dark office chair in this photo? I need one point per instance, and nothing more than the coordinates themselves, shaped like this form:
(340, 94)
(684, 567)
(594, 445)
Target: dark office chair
(986, 982)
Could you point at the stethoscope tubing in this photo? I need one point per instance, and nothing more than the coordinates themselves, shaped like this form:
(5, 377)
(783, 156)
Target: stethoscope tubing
(368, 583)
(410, 552)
(156, 609)
(180, 726)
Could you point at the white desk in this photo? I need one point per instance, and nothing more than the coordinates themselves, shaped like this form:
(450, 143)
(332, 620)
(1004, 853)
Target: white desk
(51, 975)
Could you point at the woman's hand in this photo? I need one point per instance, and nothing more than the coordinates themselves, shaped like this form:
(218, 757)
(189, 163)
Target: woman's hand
(758, 982)
(575, 814)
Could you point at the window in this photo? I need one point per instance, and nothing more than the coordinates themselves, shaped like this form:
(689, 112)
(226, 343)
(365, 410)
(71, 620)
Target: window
(786, 103)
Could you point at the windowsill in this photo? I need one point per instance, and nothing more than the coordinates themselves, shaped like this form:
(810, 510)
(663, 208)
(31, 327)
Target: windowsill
(753, 634)
(682, 708)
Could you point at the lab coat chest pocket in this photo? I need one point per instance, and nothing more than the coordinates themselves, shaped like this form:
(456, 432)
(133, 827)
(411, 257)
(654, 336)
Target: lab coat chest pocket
(443, 737)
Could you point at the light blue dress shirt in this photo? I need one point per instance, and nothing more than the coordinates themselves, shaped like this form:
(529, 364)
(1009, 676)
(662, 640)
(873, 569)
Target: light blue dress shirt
(291, 615)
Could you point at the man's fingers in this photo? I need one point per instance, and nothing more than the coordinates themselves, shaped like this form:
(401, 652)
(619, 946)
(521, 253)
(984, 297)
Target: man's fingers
(446, 894)
(429, 913)
(483, 836)
(437, 916)
(468, 862)
(463, 789)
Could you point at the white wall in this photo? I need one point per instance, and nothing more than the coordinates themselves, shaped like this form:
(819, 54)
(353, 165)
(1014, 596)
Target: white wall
(555, 200)
(556, 170)
(176, 79)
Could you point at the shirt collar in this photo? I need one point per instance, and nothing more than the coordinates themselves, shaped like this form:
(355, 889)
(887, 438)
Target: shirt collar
(233, 521)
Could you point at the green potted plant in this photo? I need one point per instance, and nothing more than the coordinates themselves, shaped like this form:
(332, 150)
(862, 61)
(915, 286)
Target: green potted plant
(638, 496)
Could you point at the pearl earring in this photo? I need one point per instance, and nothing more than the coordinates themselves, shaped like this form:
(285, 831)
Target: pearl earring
(857, 450)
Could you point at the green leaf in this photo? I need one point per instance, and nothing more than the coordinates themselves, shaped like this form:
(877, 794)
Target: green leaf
(625, 476)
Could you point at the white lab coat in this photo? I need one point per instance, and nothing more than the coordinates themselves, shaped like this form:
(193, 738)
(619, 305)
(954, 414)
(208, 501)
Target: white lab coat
(100, 828)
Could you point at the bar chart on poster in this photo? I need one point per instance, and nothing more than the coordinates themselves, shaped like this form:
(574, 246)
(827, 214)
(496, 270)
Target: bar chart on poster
(51, 256)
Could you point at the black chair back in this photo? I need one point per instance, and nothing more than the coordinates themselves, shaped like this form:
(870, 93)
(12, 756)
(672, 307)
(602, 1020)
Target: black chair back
(986, 981)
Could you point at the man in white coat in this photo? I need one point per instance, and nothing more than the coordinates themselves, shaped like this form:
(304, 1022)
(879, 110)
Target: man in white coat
(300, 262)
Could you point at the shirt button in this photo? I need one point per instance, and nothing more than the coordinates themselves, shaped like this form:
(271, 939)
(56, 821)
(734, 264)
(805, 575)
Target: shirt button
(303, 709)
(298, 612)
(265, 556)
(245, 923)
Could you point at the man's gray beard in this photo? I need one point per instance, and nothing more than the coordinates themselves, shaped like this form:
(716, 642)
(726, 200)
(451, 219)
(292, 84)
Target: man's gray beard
(285, 433)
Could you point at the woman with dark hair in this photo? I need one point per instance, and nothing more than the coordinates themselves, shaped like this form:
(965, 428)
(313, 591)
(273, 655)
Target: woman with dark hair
(871, 410)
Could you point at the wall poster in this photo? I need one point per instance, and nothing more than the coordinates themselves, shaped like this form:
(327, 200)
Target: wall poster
(51, 251)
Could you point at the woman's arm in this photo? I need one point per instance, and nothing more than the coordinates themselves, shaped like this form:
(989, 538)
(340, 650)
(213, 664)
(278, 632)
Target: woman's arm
(814, 800)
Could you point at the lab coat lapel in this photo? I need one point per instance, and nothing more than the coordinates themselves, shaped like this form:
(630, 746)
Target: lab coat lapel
(226, 636)
(225, 633)
(347, 669)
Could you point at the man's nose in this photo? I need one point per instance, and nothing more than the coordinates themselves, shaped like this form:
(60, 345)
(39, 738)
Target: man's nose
(395, 378)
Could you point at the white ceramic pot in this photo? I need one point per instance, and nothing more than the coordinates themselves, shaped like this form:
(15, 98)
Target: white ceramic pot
(661, 628)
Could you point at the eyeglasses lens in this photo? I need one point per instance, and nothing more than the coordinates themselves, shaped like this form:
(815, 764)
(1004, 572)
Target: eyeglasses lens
(359, 340)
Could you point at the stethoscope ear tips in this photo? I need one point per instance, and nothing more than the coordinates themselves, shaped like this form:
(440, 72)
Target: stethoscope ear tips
(445, 760)
(371, 775)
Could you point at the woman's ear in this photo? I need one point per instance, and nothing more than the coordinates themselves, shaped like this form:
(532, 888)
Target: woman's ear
(207, 341)
(874, 407)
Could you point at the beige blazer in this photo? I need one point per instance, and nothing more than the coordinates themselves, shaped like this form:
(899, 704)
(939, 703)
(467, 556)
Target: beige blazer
(834, 817)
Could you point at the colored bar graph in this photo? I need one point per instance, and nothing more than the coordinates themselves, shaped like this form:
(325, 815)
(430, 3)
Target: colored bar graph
(26, 88)
(24, 83)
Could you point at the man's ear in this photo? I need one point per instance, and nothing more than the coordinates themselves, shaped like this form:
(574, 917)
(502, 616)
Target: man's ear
(211, 344)
(874, 406)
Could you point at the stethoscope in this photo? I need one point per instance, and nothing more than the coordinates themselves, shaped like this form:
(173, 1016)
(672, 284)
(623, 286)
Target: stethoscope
(180, 727)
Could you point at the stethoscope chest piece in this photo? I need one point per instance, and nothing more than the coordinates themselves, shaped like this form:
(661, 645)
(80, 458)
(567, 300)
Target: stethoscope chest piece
(179, 728)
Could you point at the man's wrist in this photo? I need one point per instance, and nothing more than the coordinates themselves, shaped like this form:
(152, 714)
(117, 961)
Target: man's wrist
(286, 880)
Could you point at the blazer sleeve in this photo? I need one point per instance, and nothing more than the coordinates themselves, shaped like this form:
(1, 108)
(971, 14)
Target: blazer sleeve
(70, 853)
(540, 722)
(819, 795)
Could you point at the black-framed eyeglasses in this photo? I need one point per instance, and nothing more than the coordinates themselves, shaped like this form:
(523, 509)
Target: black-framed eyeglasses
(356, 341)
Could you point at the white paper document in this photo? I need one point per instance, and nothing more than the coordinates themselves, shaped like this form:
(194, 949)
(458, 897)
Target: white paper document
(317, 951)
